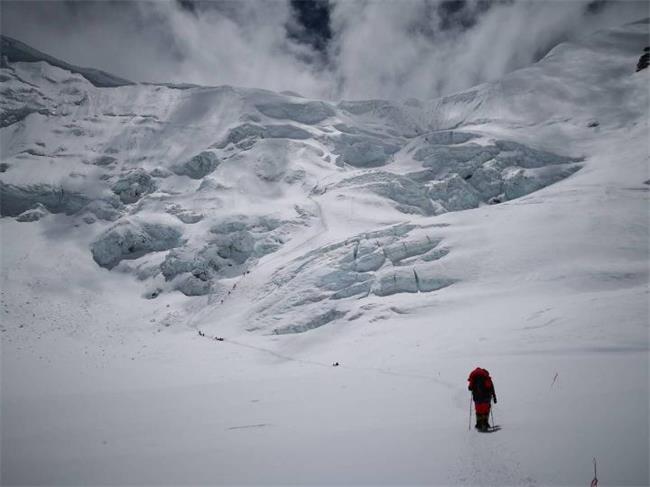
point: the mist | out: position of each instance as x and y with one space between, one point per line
373 49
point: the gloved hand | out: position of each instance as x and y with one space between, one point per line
495 399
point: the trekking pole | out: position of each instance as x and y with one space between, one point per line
469 428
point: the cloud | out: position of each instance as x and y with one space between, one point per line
242 43
372 49
402 49
245 45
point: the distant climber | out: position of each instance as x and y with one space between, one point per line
480 383
335 364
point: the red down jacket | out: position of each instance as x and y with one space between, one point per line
480 383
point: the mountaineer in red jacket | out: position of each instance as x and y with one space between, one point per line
480 383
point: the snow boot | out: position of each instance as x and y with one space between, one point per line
482 422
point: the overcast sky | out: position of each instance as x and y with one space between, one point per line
326 49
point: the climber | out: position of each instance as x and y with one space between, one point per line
480 383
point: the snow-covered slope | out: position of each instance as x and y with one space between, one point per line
505 226
16 51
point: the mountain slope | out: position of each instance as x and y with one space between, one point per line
15 51
505 227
